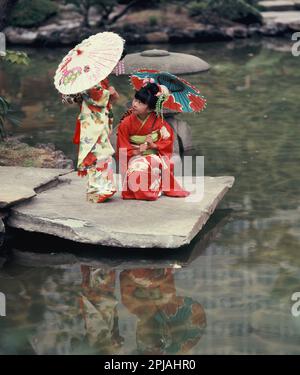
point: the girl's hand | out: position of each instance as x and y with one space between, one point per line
149 138
114 96
136 150
112 90
143 147
150 141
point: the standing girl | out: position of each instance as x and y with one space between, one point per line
93 128
80 76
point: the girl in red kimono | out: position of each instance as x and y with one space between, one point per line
144 150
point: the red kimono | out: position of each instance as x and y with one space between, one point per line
146 176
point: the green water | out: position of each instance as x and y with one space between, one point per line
230 291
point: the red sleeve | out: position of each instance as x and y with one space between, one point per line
76 138
123 138
105 83
95 93
165 146
124 143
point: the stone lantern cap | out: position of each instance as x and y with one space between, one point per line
173 62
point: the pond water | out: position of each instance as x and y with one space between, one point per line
230 291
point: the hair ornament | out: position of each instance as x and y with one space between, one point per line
163 95
147 80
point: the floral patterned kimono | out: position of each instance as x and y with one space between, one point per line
93 127
149 175
98 305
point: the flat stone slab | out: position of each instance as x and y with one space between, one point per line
20 183
31 255
284 18
279 5
166 223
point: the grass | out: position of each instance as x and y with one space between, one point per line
15 153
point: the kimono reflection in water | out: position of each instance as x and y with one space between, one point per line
148 174
167 323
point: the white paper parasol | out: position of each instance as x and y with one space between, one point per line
88 63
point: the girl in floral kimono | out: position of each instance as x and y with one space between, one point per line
144 149
93 128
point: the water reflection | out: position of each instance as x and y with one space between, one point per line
67 303
167 323
65 314
239 277
98 303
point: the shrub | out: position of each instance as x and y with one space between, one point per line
153 21
28 13
16 57
242 11
7 115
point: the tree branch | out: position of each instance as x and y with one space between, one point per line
6 7
124 11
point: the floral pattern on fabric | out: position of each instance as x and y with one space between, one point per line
101 178
95 150
164 133
147 168
146 177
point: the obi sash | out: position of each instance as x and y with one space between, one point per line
140 139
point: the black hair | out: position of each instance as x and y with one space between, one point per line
124 53
147 95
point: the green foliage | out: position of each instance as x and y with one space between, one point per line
29 13
252 2
153 21
6 115
89 3
16 57
105 7
109 10
140 4
86 4
235 10
4 108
